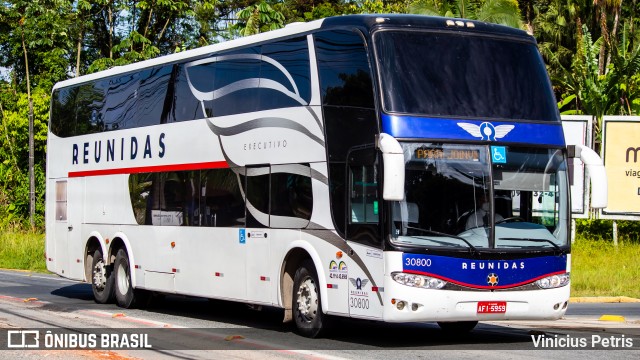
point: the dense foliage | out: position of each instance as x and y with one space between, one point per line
592 49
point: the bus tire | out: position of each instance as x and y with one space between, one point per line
457 326
306 303
125 294
101 279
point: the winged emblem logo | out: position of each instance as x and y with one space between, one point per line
358 283
486 130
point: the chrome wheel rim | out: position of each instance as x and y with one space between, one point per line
100 276
307 299
123 279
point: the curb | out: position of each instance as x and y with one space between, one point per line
614 318
604 299
17 270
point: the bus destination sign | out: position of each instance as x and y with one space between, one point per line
447 154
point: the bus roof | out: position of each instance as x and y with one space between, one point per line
420 21
368 22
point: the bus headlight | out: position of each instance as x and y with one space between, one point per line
554 281
420 281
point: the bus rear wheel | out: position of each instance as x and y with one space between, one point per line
101 279
457 326
125 294
307 305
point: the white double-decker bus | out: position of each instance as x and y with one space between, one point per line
396 168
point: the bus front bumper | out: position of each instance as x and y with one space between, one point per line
404 303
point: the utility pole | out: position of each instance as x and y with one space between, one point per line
32 179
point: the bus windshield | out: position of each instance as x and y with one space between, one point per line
455 195
460 74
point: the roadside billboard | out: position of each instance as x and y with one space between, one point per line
621 155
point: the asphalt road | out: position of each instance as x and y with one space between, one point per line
184 327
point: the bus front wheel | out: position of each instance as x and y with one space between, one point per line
101 279
307 305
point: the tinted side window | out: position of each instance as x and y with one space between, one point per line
348 110
286 65
221 202
63 111
235 82
280 197
345 78
347 127
156 198
187 198
90 108
174 197
364 205
120 101
152 94
218 85
257 190
141 190
291 196
180 103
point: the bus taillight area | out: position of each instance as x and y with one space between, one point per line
406 303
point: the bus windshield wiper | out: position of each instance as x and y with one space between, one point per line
535 240
433 232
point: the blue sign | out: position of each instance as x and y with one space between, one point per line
547 133
241 236
499 154
484 274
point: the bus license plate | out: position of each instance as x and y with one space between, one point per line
492 307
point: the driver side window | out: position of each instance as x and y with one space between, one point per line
364 205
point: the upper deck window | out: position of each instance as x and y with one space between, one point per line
345 79
446 74
274 75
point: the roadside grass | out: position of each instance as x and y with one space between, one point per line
597 268
22 250
600 269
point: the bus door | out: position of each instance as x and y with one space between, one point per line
61 228
69 261
257 235
364 234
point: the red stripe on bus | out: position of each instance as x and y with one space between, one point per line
158 168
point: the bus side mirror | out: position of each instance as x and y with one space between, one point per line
393 160
597 173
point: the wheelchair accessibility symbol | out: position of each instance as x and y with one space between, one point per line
499 154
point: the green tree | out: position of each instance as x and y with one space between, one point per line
604 7
258 18
35 31
592 93
504 12
625 62
378 7
43 25
14 180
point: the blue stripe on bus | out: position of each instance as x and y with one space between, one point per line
477 273
454 129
